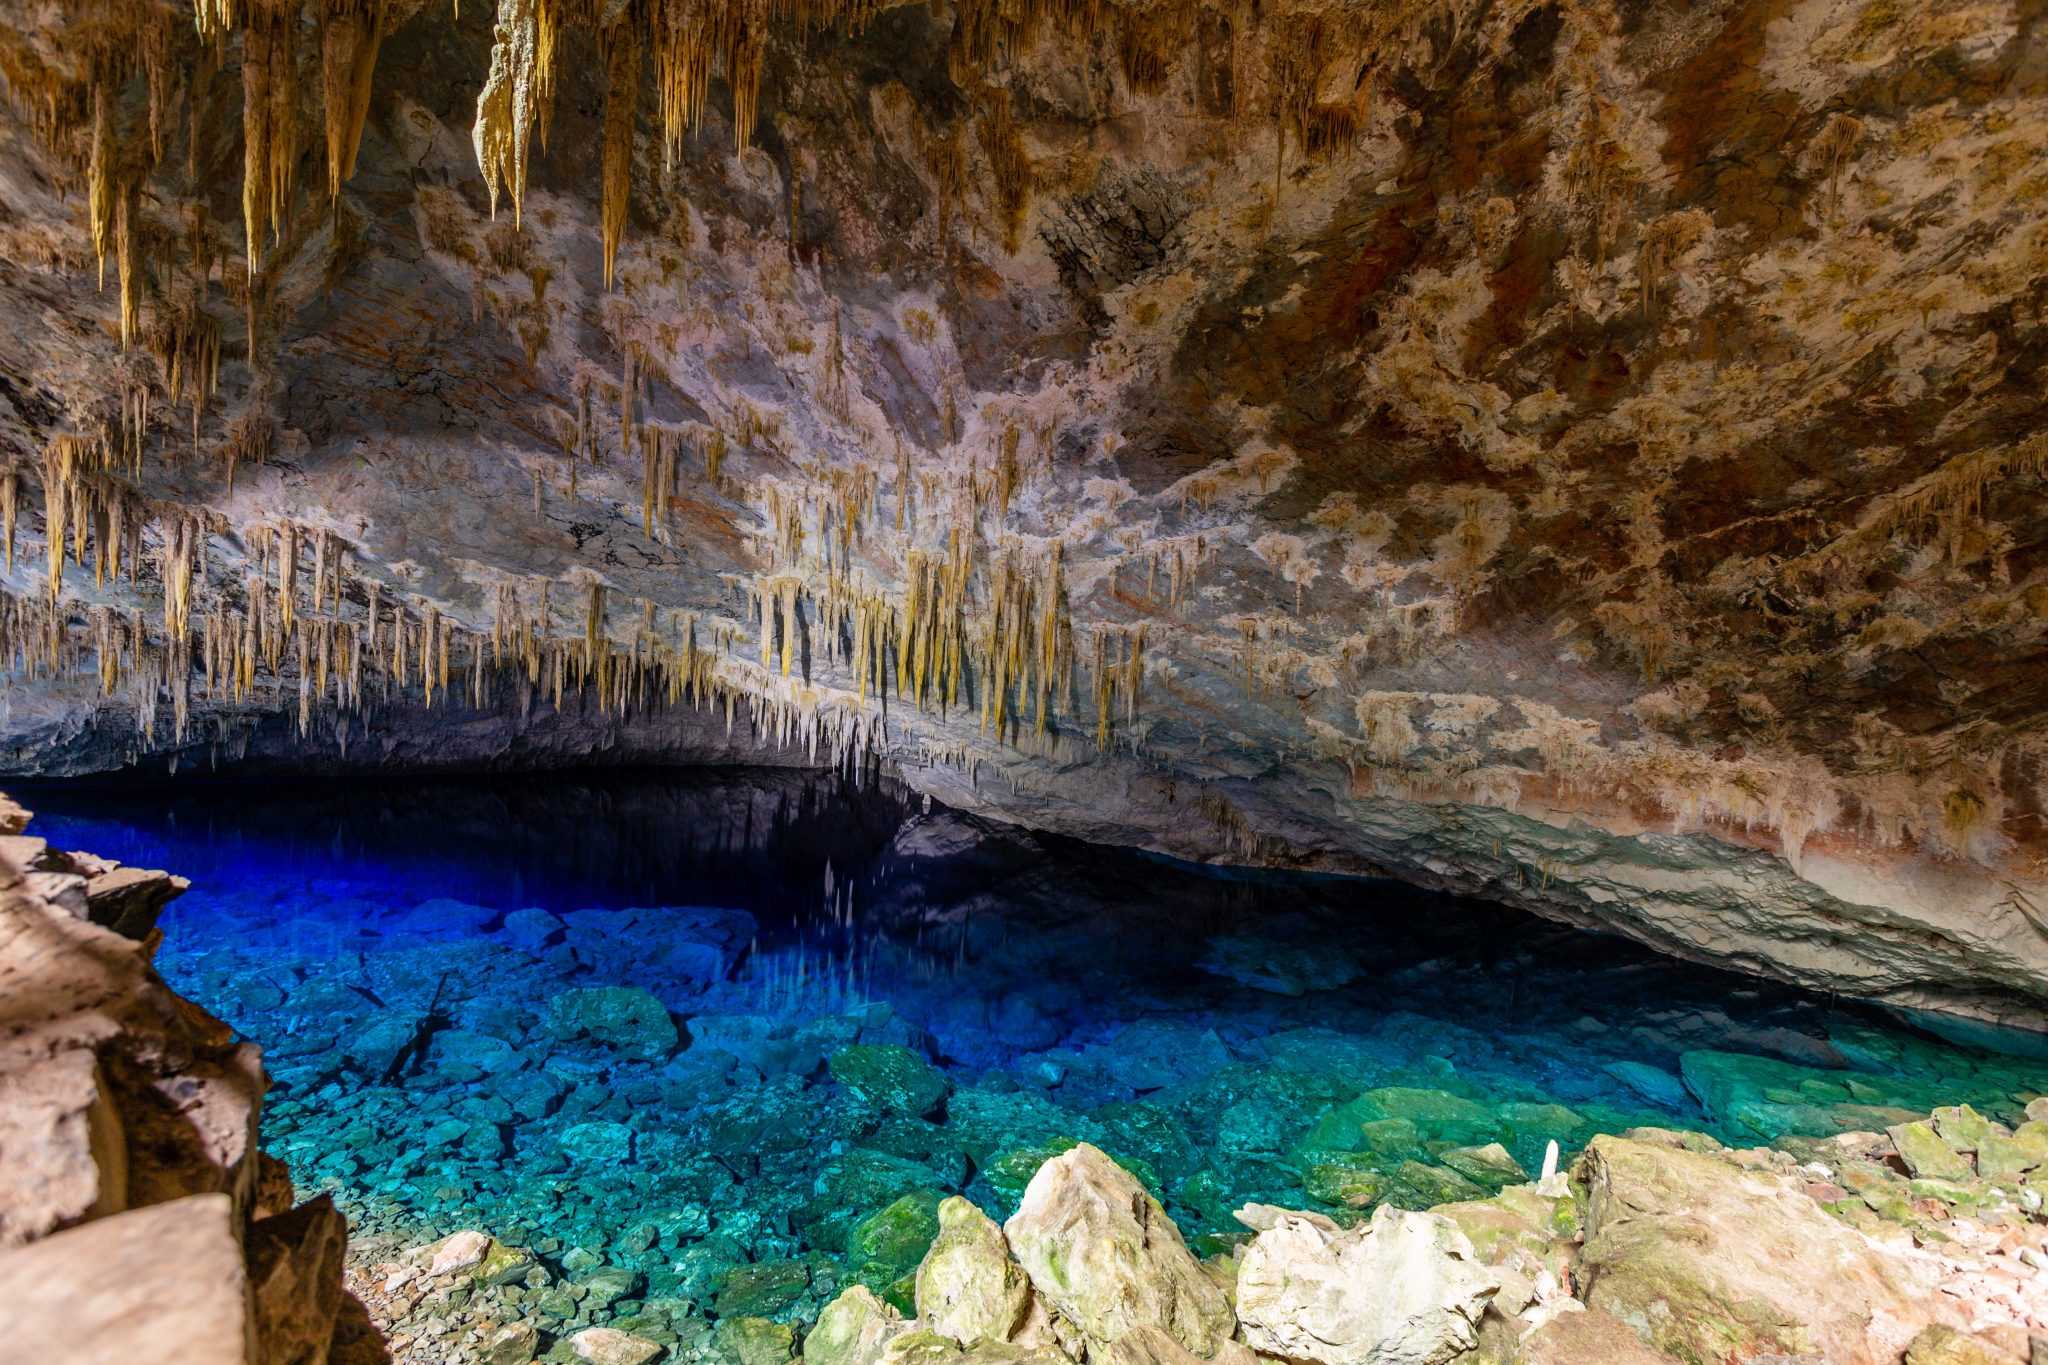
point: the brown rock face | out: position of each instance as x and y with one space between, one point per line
1586 455
1709 1263
138 1218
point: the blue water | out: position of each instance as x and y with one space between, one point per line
409 957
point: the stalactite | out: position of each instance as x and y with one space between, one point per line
124 249
350 31
270 133
506 107
1008 163
100 176
10 508
621 51
61 461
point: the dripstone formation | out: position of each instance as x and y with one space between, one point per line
1585 454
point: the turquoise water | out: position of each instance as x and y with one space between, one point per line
731 1035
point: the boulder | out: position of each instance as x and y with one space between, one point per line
1405 1289
169 1287
752 1341
622 1017
294 1270
1962 1127
854 1329
1711 1262
889 1243
764 1289
609 1346
1928 1154
968 1288
1102 1253
1941 1345
890 1077
597 1143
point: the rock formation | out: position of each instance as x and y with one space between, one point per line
138 1218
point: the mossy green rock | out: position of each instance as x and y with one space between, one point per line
1416 1185
752 1341
893 1240
1351 1184
1927 1155
1489 1167
2000 1158
624 1017
764 1289
1961 1127
890 1078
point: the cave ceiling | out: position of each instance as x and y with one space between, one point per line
1584 453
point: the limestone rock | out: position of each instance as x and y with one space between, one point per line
1405 1289
1102 1253
854 1329
968 1287
294 1274
168 1285
1927 1153
458 1251
1714 1263
1151 1346
609 1346
1943 1345
1589 1337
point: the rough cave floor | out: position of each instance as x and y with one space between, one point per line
864 1004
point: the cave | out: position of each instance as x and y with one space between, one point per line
738 682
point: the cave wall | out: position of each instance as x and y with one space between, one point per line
1582 454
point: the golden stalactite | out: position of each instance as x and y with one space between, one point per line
687 34
124 252
621 52
100 178
1008 163
213 18
522 56
10 509
743 58
270 104
350 31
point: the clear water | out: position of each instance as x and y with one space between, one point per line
383 943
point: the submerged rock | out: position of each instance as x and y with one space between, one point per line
623 1017
890 1077
1407 1289
1102 1253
